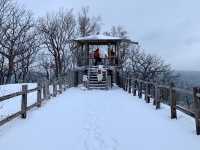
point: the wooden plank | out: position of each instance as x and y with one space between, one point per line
9 118
185 110
44 91
39 95
24 101
196 109
54 89
183 91
129 85
172 98
9 96
134 88
164 86
157 97
32 90
31 106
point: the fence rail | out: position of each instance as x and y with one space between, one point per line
164 94
43 93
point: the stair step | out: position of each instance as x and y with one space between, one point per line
97 85
93 80
104 88
103 81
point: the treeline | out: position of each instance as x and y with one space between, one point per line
33 48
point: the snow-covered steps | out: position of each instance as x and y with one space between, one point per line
93 82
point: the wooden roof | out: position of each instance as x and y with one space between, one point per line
102 40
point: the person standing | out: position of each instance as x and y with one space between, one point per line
97 56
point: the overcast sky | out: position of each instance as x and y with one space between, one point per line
168 28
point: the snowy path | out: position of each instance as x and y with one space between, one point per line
99 120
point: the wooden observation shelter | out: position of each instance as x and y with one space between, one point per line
111 52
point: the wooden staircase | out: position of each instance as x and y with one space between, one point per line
93 81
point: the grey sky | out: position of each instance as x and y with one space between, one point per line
168 28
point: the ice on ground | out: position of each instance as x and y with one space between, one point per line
99 120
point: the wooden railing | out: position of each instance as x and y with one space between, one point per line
105 61
163 94
43 94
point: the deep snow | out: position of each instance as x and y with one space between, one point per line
99 120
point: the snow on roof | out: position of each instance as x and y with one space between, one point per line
98 37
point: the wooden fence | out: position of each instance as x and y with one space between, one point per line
163 94
43 93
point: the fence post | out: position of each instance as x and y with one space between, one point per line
126 83
157 96
197 109
154 94
54 89
172 96
44 91
147 92
39 95
60 85
24 101
109 84
129 85
140 89
122 81
134 90
47 88
64 83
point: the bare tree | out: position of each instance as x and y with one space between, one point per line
5 8
45 64
56 31
87 25
147 66
119 31
27 58
14 33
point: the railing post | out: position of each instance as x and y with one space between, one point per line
172 96
109 84
197 109
147 92
48 92
64 83
154 94
157 97
123 82
44 91
24 101
60 85
135 88
140 90
39 95
129 85
126 83
54 89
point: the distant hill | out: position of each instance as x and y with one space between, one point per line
189 78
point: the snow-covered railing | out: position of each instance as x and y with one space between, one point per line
44 92
164 93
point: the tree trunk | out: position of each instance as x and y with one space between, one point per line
10 69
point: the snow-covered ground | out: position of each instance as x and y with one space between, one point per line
99 120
